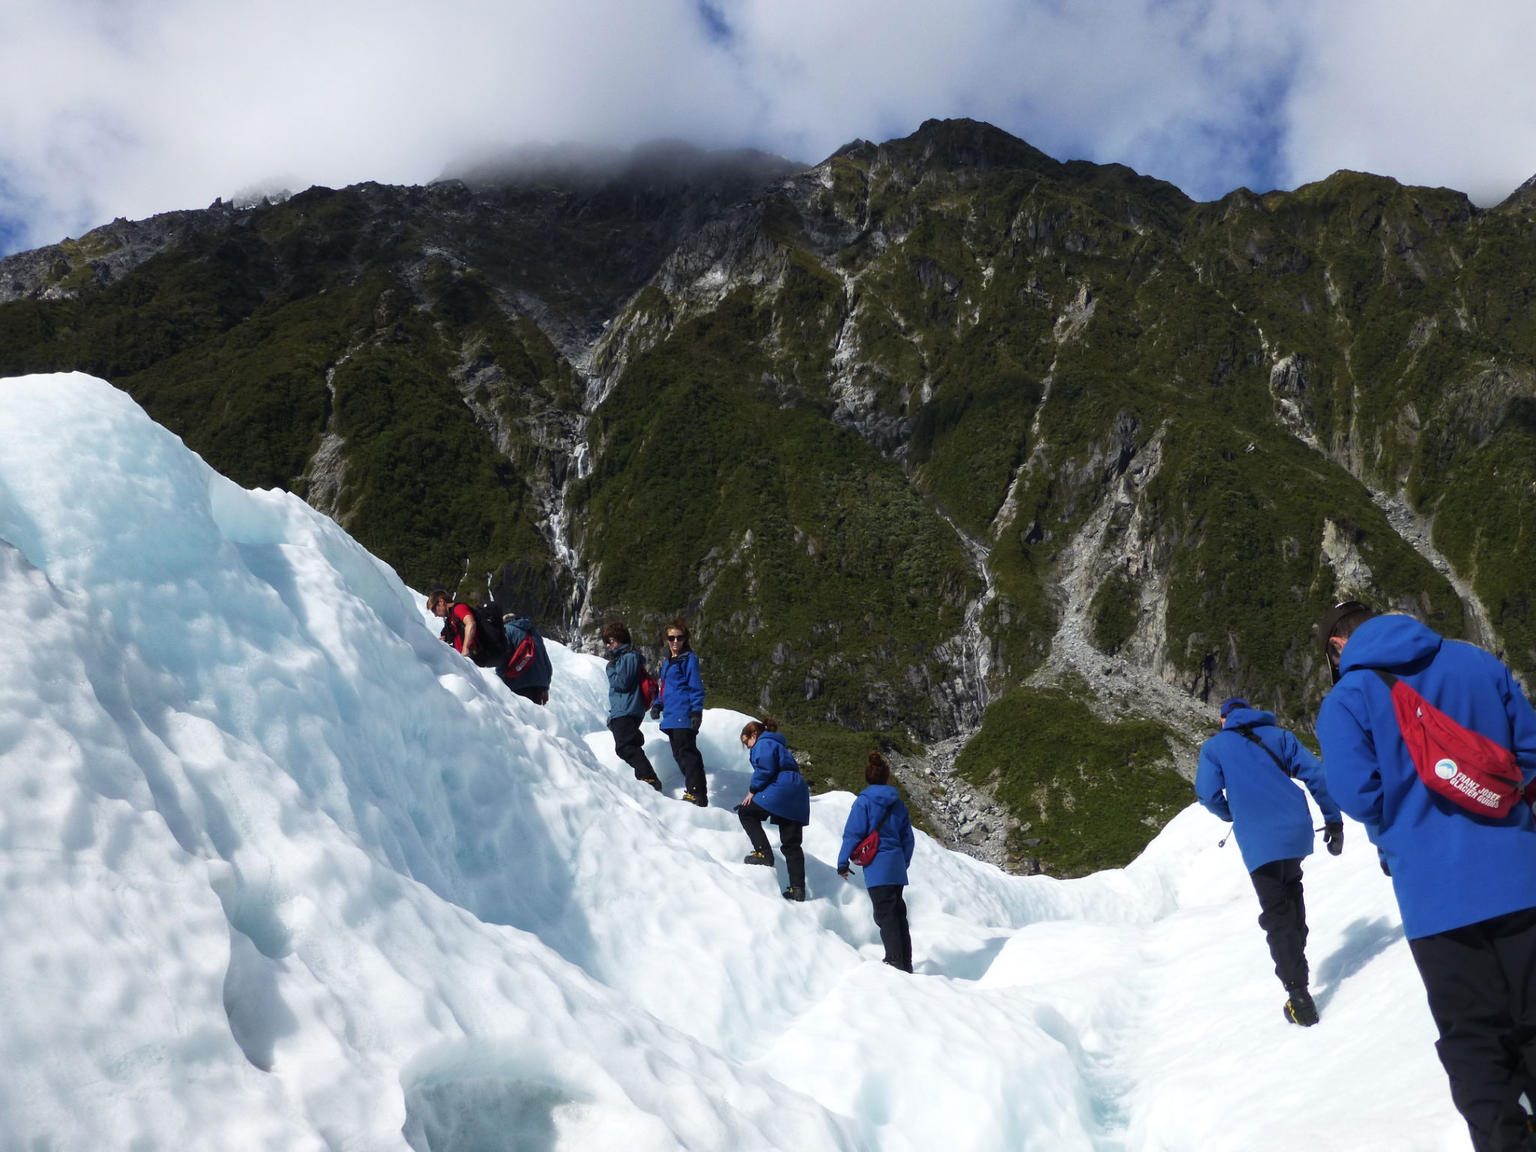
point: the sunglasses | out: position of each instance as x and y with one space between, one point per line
674 639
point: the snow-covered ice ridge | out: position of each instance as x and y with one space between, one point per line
282 871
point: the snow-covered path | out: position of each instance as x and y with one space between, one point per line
281 871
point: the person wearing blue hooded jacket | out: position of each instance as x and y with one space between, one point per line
779 793
879 809
532 682
1246 775
626 668
1465 883
680 708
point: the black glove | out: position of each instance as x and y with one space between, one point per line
696 719
843 871
1333 836
1385 871
655 711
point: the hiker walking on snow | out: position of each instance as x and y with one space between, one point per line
680 708
626 705
779 793
879 809
1465 881
1245 776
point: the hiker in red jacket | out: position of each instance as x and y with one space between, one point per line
458 620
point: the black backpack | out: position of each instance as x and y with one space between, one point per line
490 649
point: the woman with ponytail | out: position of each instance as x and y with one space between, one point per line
779 793
879 809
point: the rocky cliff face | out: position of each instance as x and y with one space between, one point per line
938 435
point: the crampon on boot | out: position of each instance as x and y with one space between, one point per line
1300 1009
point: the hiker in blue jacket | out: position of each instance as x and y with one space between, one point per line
779 793
1465 883
532 682
680 708
1245 776
626 705
879 809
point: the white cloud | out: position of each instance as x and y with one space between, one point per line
131 107
1441 98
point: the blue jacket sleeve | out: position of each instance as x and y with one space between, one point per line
1211 785
908 841
694 686
1309 770
1349 759
854 830
1522 727
764 759
625 672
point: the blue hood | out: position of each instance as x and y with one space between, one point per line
1388 642
1253 717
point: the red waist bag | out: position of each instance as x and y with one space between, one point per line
1467 768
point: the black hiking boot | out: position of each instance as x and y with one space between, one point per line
701 801
1299 1009
756 857
653 780
795 893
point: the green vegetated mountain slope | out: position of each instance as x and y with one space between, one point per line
939 434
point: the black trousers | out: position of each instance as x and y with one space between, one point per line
537 695
1481 982
685 750
752 816
891 918
1283 916
629 743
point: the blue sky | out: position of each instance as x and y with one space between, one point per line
129 107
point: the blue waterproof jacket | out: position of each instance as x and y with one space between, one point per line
777 785
1240 782
880 804
624 699
682 690
1449 867
539 673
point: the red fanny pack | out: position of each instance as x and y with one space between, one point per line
522 656
865 850
1467 768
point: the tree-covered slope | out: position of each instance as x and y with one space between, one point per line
916 438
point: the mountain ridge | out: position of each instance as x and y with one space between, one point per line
918 436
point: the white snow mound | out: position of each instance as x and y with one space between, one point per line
282 871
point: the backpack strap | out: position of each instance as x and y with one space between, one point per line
1246 732
880 822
